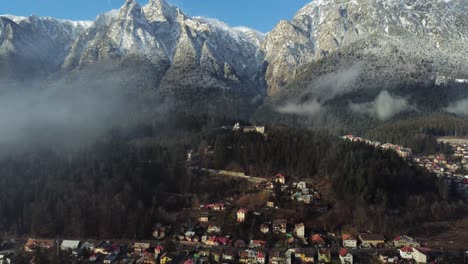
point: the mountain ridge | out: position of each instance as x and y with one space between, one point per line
392 41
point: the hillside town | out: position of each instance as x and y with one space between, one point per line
453 168
256 227
202 238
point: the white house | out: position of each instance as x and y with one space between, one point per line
260 257
241 215
419 256
301 185
349 241
70 244
345 256
300 230
5 259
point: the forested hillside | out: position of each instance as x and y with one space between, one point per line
123 184
361 177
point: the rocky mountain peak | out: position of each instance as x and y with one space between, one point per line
160 10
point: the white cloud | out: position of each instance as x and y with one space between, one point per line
384 106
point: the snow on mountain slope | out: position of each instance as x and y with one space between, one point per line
323 26
163 33
37 45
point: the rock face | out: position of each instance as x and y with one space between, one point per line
31 46
325 26
169 38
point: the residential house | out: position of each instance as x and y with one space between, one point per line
371 240
204 217
280 178
260 257
190 236
388 259
264 228
406 252
159 231
209 240
349 241
72 245
6 258
421 255
345 256
404 241
32 244
276 257
241 214
301 185
229 255
106 248
299 229
279 225
87 246
257 243
212 228
304 255
317 240
216 254
215 206
140 248
165 259
247 256
324 255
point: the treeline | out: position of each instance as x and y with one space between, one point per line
420 134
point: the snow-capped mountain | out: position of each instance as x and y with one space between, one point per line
166 36
436 29
33 45
190 57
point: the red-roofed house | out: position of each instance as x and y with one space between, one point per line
260 257
345 256
264 228
406 252
32 244
280 178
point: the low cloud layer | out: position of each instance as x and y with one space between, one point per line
384 107
326 87
71 110
338 83
459 107
307 108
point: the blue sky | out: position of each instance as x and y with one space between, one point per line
262 15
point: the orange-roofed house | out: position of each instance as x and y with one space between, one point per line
349 241
317 239
32 244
